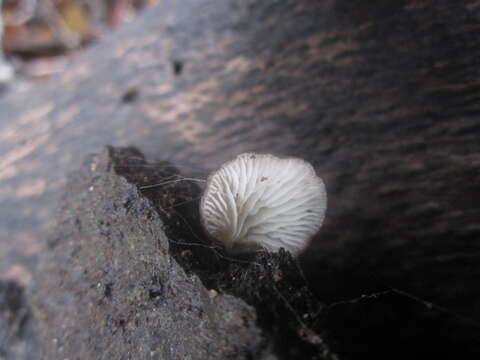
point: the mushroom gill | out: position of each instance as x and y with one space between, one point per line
260 201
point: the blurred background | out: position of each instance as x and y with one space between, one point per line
38 36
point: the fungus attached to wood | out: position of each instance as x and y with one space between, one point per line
259 201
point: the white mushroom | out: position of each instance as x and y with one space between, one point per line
259 201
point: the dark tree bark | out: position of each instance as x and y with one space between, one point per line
382 97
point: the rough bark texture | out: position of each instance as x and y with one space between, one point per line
109 289
126 276
382 97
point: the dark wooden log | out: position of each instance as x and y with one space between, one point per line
382 97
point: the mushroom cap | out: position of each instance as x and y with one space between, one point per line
260 201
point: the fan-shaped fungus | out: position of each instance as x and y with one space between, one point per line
259 201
